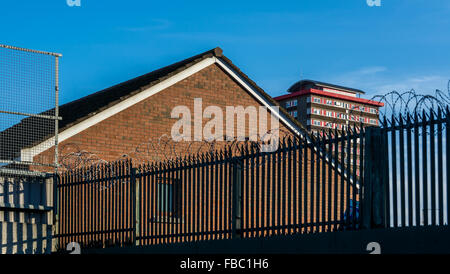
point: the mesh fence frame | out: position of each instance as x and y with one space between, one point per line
28 109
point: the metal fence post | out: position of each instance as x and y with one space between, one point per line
375 180
55 211
237 197
135 185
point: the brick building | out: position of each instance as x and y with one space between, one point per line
320 106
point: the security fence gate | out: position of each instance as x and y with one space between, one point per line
331 182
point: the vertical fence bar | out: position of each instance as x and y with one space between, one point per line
433 168
324 179
198 198
349 174
317 183
169 197
402 171
311 182
387 171
85 181
342 183
424 167
205 189
217 205
282 188
79 209
179 205
263 193
409 173
112 182
294 185
91 207
298 184
184 199
237 196
278 211
158 205
257 193
247 199
394 172
354 178
362 166
269 209
440 170
92 229
289 186
108 204
447 153
189 199
336 179
222 192
135 209
329 176
306 156
100 205
273 206
228 179
416 169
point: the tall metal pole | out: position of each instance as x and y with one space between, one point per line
55 177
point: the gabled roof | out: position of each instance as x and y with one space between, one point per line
77 111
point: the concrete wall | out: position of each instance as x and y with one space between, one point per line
25 219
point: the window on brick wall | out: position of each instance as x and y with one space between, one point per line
168 199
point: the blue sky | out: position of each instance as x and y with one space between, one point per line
401 45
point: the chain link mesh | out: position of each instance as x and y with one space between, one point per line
27 108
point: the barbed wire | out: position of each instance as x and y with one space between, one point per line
409 102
